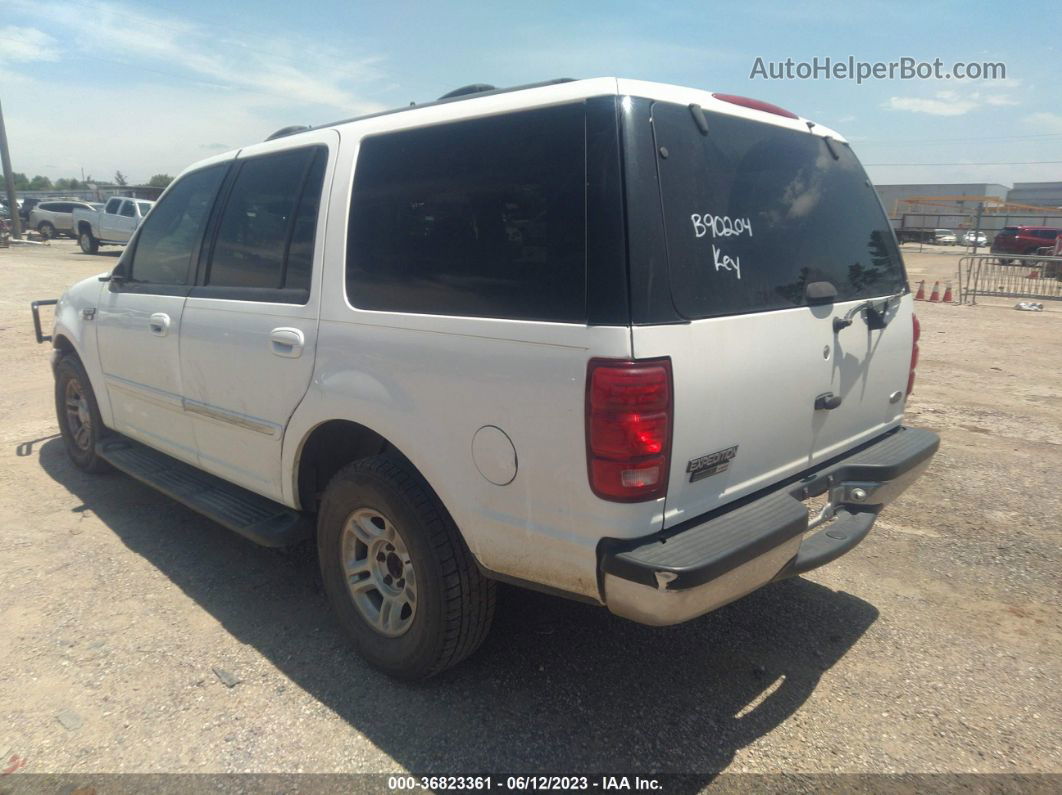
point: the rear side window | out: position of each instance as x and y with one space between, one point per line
128 210
755 212
481 218
266 234
170 235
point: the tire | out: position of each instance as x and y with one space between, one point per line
78 414
46 229
89 244
379 519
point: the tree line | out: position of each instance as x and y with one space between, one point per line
22 182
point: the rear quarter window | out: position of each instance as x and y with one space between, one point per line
481 218
754 212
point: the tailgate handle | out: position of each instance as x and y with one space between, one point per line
827 402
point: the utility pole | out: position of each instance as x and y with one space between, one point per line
977 224
9 180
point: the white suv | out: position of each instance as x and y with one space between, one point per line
602 338
51 217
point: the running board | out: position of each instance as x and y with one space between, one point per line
252 516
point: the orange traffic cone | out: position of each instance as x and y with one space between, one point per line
935 295
947 294
921 294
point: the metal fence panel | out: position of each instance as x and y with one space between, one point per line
1022 277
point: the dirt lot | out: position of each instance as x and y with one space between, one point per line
933 647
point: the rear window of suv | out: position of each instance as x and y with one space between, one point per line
481 218
754 212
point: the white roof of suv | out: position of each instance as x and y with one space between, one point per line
490 102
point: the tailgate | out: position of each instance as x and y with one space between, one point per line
771 234
745 391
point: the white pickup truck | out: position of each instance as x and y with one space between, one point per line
113 225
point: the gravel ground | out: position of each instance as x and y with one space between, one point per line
140 637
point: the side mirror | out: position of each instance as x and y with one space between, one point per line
117 276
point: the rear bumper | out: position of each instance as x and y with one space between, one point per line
691 569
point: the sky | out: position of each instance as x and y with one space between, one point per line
151 87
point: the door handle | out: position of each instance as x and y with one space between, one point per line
159 323
287 342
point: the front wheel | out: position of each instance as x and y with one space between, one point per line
397 572
78 414
88 243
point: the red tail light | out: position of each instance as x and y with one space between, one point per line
756 104
628 428
914 353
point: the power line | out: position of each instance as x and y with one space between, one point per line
914 141
1015 163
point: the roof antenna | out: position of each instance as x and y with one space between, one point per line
810 124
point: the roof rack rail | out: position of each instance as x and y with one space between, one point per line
472 88
472 91
290 130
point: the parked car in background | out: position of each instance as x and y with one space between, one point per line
52 218
110 225
972 238
1023 240
944 237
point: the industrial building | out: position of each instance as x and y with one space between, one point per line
1041 194
916 210
897 198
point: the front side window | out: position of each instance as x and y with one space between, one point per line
112 206
482 218
265 238
173 231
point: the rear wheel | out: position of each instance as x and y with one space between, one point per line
88 243
78 414
46 230
397 572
